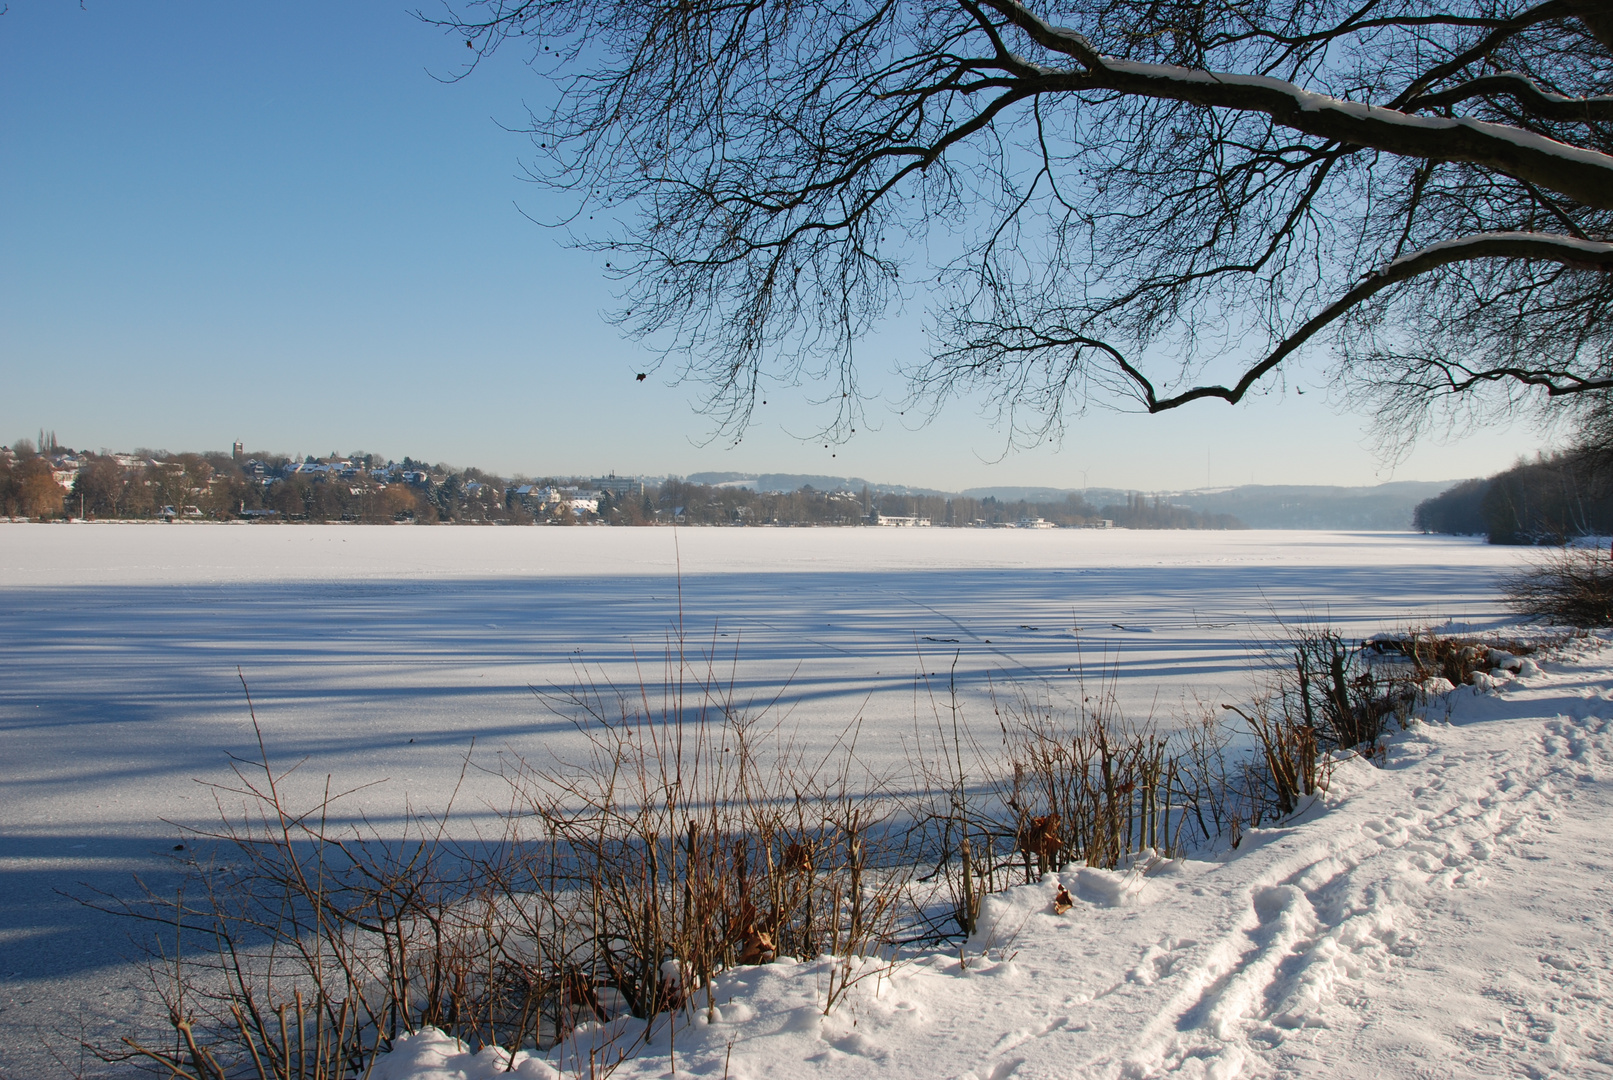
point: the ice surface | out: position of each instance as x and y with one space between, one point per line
122 643
379 653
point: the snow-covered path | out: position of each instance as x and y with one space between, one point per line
1451 913
1520 947
1448 915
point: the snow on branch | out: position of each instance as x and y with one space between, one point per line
1579 173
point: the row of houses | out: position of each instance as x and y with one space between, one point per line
579 497
341 470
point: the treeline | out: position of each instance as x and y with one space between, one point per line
28 484
701 504
1546 501
53 482
1141 512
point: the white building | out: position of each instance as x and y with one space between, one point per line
575 500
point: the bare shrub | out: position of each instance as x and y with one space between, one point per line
1079 783
1455 658
1288 767
304 948
1343 696
1089 786
1343 702
1570 585
692 837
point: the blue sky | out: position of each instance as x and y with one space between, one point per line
268 222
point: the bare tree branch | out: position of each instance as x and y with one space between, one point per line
1097 199
1563 250
1528 96
1584 175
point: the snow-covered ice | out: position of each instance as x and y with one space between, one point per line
380 653
384 651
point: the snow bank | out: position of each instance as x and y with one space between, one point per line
431 1055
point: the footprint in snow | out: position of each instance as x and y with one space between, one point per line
1002 1070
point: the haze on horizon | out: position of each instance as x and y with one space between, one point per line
274 225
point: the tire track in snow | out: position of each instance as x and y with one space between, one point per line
1324 917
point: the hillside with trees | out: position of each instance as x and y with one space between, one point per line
1383 507
1550 500
1379 507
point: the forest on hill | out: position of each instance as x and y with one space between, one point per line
1550 500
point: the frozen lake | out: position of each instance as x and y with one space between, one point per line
380 653
122 642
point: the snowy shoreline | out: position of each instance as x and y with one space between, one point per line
1451 912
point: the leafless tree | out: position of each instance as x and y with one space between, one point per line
1153 202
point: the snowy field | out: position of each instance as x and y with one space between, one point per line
380 653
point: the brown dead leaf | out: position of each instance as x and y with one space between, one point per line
758 948
1041 838
743 921
797 857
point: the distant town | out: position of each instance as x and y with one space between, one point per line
45 481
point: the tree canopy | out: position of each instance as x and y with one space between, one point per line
1149 202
